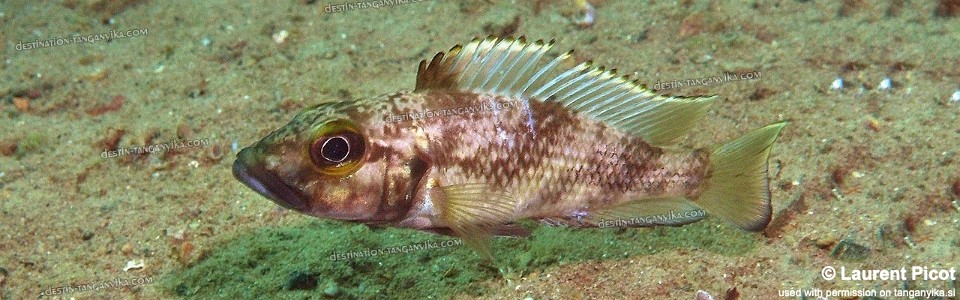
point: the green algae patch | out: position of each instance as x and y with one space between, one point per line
302 262
312 260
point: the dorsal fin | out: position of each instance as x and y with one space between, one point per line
514 68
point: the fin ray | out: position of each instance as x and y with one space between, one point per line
515 68
738 189
474 211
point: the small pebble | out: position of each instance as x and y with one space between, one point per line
956 96
837 84
703 295
215 153
280 37
886 84
301 281
9 148
332 289
132 265
184 132
587 16
21 103
98 75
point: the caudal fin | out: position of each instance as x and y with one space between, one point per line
738 189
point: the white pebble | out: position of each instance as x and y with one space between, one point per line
588 17
703 295
837 84
281 36
956 96
886 84
133 265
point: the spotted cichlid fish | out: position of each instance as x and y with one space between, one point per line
497 131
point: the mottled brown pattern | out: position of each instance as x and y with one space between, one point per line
554 161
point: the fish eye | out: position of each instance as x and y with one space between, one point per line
337 153
335 149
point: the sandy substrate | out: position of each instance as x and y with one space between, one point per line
862 178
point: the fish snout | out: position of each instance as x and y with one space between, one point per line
266 183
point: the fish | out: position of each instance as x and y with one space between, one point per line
501 130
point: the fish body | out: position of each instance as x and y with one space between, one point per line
496 132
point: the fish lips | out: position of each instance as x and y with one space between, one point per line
267 184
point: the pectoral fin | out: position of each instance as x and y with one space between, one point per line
474 211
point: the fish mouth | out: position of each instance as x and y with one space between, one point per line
267 184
